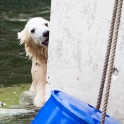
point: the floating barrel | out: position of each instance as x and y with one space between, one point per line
62 108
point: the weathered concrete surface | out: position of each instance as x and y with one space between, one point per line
78 40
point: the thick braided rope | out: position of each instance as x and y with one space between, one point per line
112 56
107 56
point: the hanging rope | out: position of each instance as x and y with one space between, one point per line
112 56
107 56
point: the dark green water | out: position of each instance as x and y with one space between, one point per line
14 66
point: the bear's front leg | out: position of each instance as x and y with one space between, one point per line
39 82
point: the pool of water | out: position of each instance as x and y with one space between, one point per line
15 76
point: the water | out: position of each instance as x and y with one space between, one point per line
15 76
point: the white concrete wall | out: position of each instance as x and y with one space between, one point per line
78 40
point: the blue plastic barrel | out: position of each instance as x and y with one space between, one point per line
62 108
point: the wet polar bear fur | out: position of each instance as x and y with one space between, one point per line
35 37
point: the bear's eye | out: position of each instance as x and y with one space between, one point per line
46 24
33 30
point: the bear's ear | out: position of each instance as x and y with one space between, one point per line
22 36
19 35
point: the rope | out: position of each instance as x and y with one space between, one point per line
107 56
112 56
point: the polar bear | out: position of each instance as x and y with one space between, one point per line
35 37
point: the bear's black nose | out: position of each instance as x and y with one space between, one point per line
46 34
